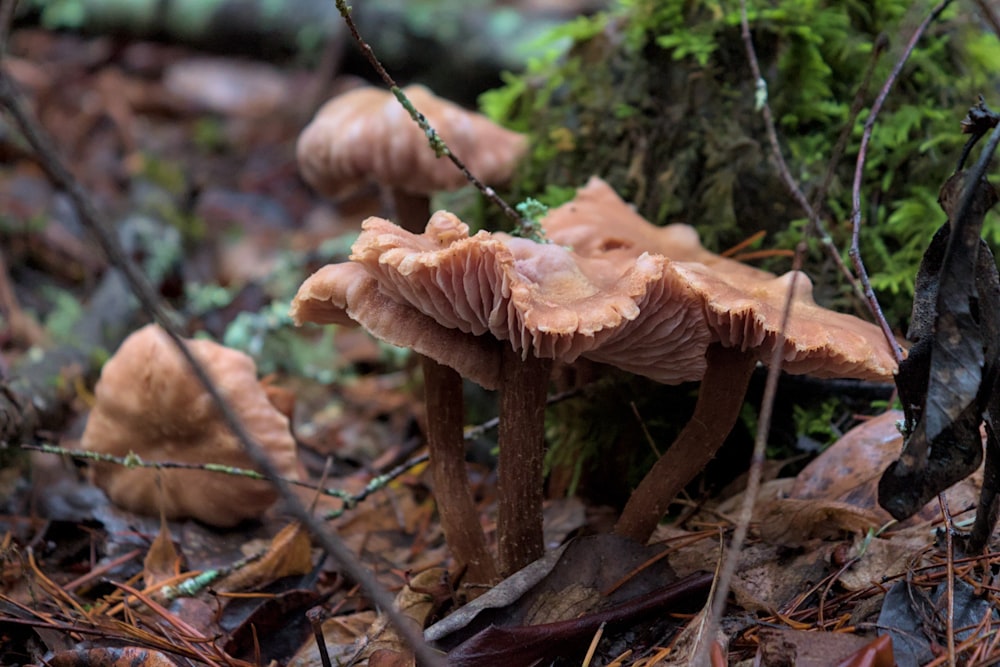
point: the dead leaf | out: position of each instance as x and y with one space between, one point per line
793 522
849 470
419 600
594 563
341 635
290 554
126 656
768 577
162 561
853 461
784 647
877 654
882 558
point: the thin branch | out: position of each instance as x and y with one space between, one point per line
7 8
732 556
855 252
350 500
94 222
436 142
818 227
881 42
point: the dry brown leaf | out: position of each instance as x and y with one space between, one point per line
793 522
418 601
125 656
879 559
783 646
162 561
290 554
849 471
341 635
769 577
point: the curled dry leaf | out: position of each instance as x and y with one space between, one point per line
290 554
419 600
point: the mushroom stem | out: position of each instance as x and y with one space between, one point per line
719 400
523 387
459 518
412 211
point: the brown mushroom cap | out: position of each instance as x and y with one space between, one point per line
598 223
542 298
367 135
818 341
347 294
150 403
744 305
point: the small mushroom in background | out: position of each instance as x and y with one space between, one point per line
366 135
149 403
744 308
524 304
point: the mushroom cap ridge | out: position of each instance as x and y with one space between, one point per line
541 299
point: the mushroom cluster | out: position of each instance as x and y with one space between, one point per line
499 310
649 300
742 308
149 404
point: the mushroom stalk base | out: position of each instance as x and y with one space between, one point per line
719 400
523 388
446 442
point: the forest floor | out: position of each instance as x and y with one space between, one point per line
193 156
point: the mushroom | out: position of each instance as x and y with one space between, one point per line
367 135
745 319
149 403
743 307
347 294
542 303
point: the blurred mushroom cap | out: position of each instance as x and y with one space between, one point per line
542 299
366 135
818 341
150 403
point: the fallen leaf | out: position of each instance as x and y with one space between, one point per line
290 554
126 656
784 647
792 522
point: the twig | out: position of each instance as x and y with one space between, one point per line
818 227
727 570
436 142
376 484
7 8
855 252
94 222
881 42
989 15
350 500
949 579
